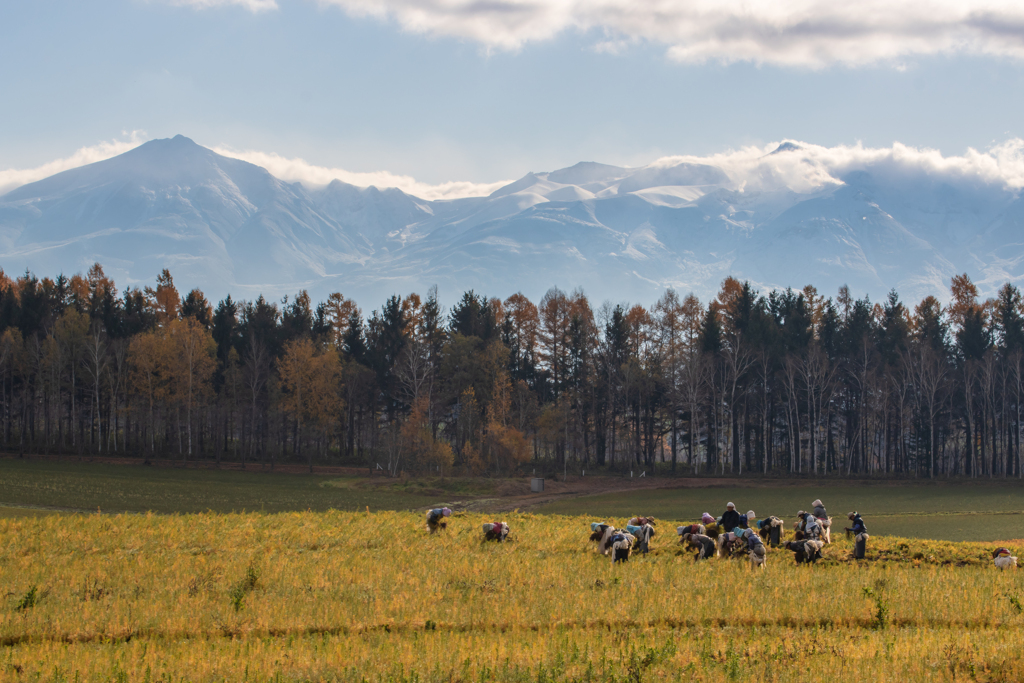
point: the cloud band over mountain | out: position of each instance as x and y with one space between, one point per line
802 33
792 165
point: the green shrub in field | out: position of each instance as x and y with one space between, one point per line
29 600
244 586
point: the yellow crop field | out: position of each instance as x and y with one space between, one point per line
373 597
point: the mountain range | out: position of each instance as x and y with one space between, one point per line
621 234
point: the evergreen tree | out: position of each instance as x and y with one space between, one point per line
711 331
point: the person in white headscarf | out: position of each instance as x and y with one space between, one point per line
730 518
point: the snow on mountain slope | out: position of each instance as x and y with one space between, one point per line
624 234
171 203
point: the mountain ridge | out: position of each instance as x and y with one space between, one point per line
228 226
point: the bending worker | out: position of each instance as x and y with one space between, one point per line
705 546
435 517
755 548
643 534
860 535
711 527
602 534
771 530
824 521
621 543
496 531
808 524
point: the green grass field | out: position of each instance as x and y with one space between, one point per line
954 511
959 511
72 486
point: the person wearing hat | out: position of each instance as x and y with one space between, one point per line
860 534
730 518
435 517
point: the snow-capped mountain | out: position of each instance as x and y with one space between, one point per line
623 234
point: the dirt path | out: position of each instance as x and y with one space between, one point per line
588 486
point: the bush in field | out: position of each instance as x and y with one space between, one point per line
244 586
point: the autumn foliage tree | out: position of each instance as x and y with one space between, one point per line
791 381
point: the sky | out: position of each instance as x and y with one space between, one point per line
457 96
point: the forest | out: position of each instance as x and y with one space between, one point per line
780 383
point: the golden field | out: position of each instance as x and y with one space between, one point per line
373 597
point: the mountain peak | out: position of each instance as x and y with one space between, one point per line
787 147
586 172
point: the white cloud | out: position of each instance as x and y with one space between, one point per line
800 167
251 5
14 177
804 167
299 170
290 170
808 33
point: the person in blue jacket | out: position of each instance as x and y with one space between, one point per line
860 535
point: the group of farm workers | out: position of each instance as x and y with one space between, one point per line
730 535
619 543
734 535
493 531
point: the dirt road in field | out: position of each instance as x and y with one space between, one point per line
518 498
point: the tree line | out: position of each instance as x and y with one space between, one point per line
783 382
